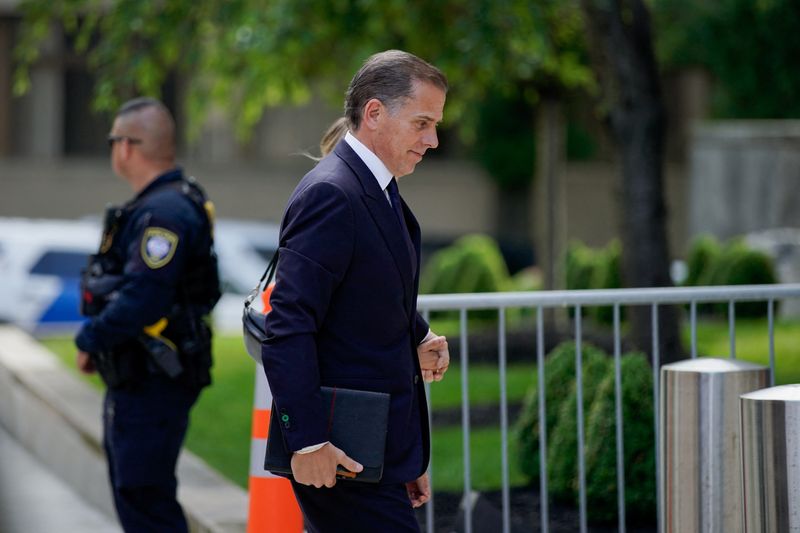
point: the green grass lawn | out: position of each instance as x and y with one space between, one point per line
220 428
752 344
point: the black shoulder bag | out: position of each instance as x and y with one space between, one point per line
253 320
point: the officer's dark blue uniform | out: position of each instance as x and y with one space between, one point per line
159 250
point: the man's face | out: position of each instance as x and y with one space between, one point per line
403 137
117 130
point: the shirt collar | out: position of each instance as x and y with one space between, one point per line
167 177
374 164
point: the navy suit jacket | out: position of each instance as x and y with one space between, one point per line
344 311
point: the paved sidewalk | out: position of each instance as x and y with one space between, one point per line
33 500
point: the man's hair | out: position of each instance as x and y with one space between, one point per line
152 121
388 76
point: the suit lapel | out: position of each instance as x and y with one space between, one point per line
381 211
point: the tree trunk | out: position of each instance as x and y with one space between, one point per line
622 53
550 197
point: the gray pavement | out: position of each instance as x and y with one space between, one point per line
33 500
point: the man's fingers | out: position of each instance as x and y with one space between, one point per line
350 464
437 343
428 375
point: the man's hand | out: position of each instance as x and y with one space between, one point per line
318 468
419 490
84 363
434 357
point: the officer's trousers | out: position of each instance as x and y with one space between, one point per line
144 427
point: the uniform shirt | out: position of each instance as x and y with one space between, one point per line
154 243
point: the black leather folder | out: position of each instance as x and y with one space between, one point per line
358 427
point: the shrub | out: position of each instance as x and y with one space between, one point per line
590 268
607 275
559 376
471 264
581 262
562 447
703 254
734 264
638 437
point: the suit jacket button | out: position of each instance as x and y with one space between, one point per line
416 379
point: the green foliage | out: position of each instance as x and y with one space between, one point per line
559 377
740 265
638 437
245 55
590 268
527 279
607 275
581 146
562 448
734 263
471 264
600 431
581 263
703 253
746 45
505 144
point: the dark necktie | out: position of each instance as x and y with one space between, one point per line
397 207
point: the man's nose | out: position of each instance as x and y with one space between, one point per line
430 139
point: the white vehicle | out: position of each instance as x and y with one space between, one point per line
41 262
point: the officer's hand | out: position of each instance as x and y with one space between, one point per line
84 363
318 468
434 357
419 490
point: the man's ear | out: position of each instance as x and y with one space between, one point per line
372 112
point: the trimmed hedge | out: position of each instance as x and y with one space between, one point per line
594 268
562 446
704 252
638 437
471 264
732 263
559 376
600 432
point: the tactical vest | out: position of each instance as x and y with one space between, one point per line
184 351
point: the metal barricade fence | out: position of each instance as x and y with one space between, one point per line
578 299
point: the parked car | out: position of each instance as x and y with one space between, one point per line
41 262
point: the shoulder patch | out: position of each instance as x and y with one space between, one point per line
158 247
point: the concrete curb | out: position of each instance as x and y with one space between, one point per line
56 416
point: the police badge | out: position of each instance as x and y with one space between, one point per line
158 247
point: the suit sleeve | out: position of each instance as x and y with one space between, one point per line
315 251
421 328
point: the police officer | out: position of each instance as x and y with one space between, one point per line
148 292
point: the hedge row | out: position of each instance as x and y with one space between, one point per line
711 262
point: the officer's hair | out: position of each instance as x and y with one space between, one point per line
157 132
388 76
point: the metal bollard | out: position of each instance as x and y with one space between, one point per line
771 459
699 443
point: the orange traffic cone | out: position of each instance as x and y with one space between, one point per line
273 507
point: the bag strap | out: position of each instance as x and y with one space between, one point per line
269 275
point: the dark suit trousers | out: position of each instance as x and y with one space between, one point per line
352 507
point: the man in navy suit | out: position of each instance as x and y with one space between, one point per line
344 302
